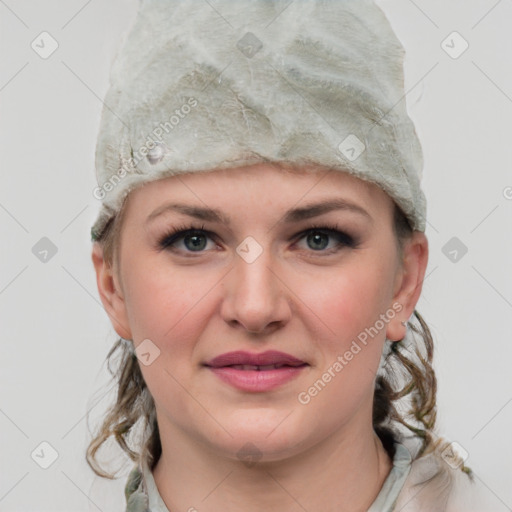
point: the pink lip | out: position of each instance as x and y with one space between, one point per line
263 359
256 380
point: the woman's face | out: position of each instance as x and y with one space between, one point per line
275 269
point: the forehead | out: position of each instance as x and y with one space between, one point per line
257 186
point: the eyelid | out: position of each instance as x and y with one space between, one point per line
347 238
344 239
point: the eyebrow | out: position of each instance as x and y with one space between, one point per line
297 214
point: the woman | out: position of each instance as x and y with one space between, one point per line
259 252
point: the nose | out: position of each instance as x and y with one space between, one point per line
256 294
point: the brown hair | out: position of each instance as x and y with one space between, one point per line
408 376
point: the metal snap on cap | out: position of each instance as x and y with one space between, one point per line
155 154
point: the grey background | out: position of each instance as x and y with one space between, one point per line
55 334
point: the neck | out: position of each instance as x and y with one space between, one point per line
343 473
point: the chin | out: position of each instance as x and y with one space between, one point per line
262 440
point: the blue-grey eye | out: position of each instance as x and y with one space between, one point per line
318 238
198 241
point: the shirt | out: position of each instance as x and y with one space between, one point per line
427 484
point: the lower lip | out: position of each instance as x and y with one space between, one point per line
255 380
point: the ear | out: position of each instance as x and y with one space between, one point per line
110 293
409 283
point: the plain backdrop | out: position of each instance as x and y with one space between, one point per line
54 332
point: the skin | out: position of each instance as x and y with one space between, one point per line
295 298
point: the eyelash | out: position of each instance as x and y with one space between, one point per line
179 232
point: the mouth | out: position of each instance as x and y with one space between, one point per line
259 368
269 360
257 378
256 373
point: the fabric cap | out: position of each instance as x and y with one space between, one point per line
203 85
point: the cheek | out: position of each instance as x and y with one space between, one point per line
346 308
349 300
160 300
168 307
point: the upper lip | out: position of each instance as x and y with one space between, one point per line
270 357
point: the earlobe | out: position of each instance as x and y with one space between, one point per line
409 284
110 295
